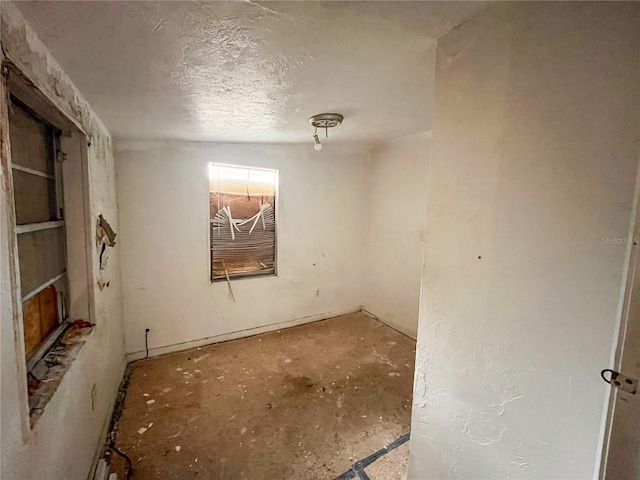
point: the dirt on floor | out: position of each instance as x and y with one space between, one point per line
300 403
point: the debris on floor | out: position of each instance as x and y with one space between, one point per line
306 402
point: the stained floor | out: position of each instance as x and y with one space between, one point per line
300 403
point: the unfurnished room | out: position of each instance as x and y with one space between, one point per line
287 240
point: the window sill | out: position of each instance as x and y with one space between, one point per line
58 360
244 276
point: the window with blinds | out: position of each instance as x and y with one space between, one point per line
242 209
39 228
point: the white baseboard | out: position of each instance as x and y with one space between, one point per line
179 347
405 331
102 470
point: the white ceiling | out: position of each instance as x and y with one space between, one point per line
250 72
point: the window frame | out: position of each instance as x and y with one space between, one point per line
58 223
80 233
276 213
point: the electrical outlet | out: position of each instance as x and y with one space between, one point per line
318 293
623 382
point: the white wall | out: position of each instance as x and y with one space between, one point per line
164 214
66 437
396 209
534 156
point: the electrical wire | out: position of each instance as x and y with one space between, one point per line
117 413
146 342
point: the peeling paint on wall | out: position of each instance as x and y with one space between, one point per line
105 237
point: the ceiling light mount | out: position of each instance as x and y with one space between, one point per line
326 121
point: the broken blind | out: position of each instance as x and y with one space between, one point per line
242 221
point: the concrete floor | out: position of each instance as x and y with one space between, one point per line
301 403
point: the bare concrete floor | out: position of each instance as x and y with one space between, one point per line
301 403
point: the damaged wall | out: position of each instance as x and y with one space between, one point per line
534 158
395 209
65 439
164 214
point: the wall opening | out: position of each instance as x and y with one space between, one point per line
40 228
51 273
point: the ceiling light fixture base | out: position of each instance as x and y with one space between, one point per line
326 120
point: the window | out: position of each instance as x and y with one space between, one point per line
242 209
40 229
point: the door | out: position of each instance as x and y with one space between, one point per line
622 460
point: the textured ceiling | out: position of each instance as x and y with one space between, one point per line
250 72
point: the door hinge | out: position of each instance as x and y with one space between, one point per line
618 380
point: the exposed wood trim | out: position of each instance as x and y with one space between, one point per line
36 227
7 219
42 287
32 171
21 88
